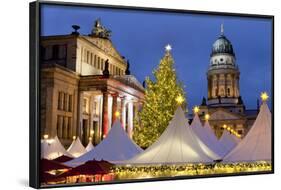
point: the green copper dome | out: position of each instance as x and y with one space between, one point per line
222 45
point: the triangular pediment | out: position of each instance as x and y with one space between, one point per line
222 114
105 45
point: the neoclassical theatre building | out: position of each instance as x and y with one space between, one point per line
85 85
224 102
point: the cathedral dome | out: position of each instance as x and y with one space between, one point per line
222 45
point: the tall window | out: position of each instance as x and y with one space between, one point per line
102 68
95 61
59 100
88 57
65 105
70 103
91 61
85 105
228 91
98 62
59 126
55 52
42 53
69 134
65 102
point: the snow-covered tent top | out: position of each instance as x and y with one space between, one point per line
52 148
76 149
228 142
256 145
177 145
117 146
90 146
207 136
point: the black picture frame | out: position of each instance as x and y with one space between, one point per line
34 90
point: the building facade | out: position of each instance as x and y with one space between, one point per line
224 103
85 85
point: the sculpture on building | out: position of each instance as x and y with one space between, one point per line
100 31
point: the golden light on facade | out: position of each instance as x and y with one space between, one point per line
50 141
117 114
180 99
74 137
224 126
92 132
228 128
45 136
264 96
196 109
90 138
207 116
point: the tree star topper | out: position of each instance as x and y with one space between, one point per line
168 48
196 109
264 96
180 99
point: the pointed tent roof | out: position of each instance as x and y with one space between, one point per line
76 149
52 148
116 146
228 142
256 145
207 136
90 146
178 144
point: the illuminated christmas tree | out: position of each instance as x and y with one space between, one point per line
160 102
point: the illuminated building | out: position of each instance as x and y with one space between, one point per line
84 81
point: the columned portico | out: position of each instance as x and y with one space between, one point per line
114 106
105 122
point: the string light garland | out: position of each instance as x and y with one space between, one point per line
142 172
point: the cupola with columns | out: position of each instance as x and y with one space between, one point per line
223 73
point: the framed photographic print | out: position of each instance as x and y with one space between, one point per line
130 94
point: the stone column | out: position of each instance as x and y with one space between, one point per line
123 113
104 115
114 107
225 85
91 116
237 86
130 119
79 115
233 85
210 89
65 128
75 111
218 86
50 127
60 127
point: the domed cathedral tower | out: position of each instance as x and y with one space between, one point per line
223 76
224 103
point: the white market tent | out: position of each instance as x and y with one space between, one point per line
76 148
117 146
90 146
256 145
228 142
207 136
52 148
177 145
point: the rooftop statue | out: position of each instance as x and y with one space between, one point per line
100 31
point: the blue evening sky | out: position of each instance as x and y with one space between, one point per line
140 36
